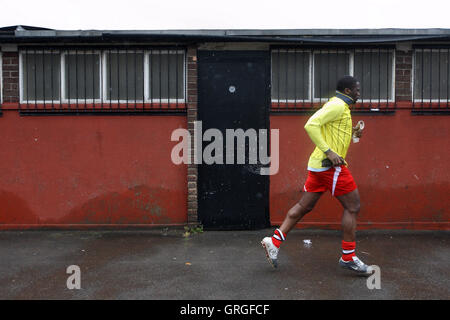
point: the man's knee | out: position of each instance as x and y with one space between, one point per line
300 210
354 208
296 212
351 202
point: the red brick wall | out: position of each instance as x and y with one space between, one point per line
191 117
90 171
403 94
10 68
403 75
399 166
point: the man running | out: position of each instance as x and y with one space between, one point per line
330 128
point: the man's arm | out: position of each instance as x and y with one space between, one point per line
313 128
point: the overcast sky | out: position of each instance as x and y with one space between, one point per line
225 14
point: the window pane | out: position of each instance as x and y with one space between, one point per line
374 71
41 72
431 75
166 75
290 75
328 68
82 76
125 76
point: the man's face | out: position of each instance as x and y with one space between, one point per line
353 93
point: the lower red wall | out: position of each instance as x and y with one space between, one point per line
84 171
400 167
68 171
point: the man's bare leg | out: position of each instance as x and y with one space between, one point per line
349 260
299 210
351 204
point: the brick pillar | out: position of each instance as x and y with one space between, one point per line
192 173
403 75
10 71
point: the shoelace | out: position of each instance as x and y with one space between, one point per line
358 262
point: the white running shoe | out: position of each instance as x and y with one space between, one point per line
271 251
356 265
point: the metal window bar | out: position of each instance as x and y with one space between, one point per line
118 78
295 80
362 72
68 88
143 77
168 78
379 76
43 75
387 77
278 79
422 80
175 74
371 76
328 63
286 78
311 78
85 83
93 79
448 73
431 71
60 81
336 61
126 76
374 65
135 80
79 79
439 78
35 81
160 77
151 92
51 76
320 79
76 79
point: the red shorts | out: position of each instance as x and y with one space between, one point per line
338 180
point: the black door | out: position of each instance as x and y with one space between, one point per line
234 93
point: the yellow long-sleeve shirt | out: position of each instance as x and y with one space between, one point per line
330 128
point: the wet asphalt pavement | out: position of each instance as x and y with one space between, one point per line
162 264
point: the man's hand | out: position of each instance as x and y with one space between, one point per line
335 158
357 132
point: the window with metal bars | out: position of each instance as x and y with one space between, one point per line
1 80
303 79
431 82
102 80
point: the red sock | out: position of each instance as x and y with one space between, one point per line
278 237
348 250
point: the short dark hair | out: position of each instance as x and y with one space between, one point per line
346 82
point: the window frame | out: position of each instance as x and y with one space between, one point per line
103 80
64 97
104 77
286 100
21 78
147 67
1 78
427 101
351 71
392 78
